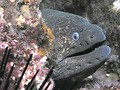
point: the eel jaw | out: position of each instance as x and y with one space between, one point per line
75 51
82 65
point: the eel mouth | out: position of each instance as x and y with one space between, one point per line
82 63
76 52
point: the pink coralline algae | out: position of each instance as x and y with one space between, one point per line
21 31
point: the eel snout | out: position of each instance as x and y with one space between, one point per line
91 38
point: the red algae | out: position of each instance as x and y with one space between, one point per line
22 30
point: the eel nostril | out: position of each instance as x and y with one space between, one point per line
89 62
72 47
92 36
87 42
97 59
80 44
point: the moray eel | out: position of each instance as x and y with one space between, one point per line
78 45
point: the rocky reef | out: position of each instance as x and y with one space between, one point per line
23 31
26 40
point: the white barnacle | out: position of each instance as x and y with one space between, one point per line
116 5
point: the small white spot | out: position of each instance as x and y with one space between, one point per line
116 5
9 24
90 77
13 78
107 75
11 64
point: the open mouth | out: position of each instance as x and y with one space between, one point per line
87 51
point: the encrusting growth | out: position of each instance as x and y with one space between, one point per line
23 35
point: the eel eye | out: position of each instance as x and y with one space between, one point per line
75 36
